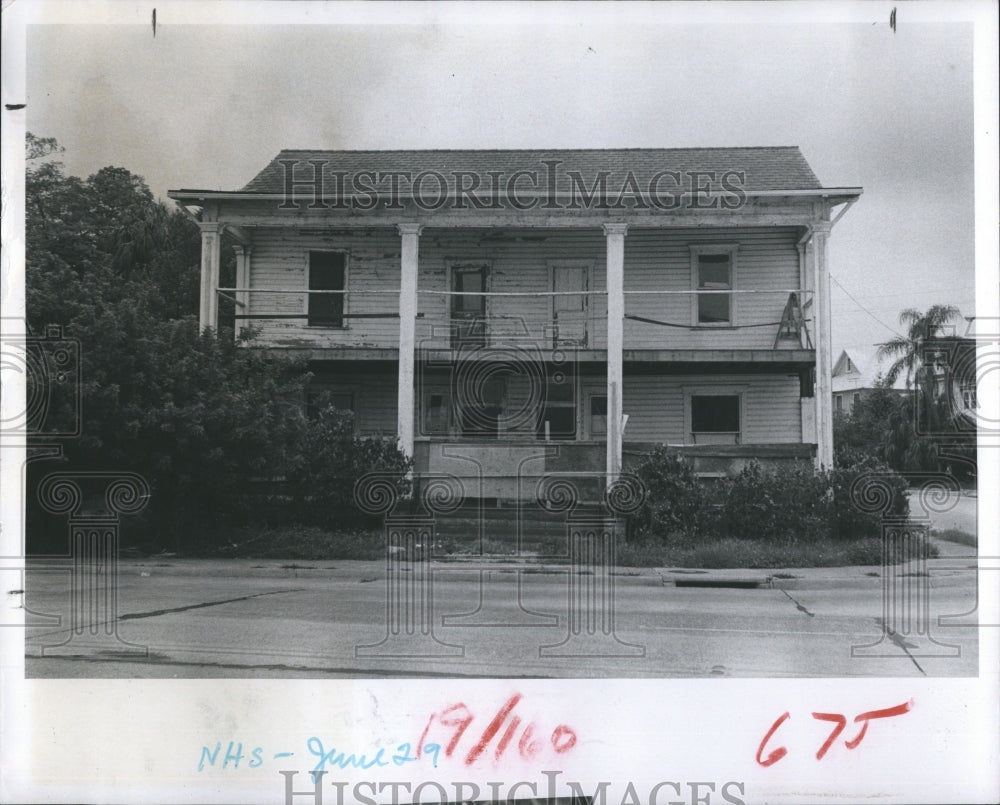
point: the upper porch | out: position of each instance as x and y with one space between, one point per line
731 294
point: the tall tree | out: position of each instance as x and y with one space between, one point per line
905 350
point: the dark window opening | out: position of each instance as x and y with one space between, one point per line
715 413
327 272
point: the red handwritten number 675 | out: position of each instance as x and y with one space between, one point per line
839 721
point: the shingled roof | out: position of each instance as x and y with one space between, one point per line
766 168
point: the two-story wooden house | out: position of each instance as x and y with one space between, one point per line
512 314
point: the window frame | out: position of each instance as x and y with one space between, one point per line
347 274
720 390
697 250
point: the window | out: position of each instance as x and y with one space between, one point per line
856 399
558 414
468 304
713 273
436 413
715 418
598 417
318 397
840 402
327 273
969 398
479 417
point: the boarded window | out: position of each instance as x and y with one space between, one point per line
715 413
715 273
327 272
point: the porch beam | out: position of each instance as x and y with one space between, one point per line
211 240
615 238
824 352
408 263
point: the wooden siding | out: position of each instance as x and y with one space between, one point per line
520 260
655 405
765 259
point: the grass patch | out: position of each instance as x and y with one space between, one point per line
957 535
728 552
301 542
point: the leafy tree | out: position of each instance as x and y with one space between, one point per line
198 415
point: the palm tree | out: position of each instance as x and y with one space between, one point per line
905 350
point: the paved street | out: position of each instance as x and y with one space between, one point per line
307 619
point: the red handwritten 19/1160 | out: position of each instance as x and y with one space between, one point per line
840 722
459 717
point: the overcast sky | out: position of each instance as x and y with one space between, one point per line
209 106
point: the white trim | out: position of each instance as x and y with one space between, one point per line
347 279
698 249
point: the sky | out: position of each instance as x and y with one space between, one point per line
207 106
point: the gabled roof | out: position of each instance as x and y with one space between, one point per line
766 168
859 367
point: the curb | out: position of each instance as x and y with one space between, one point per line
942 572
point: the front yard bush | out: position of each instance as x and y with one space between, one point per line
788 505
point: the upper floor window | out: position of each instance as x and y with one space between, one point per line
327 273
713 275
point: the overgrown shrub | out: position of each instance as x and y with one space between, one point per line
677 504
326 461
786 505
782 505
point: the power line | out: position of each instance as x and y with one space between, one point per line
866 310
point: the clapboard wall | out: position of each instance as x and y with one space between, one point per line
520 261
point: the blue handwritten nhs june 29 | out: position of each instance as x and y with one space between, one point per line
402 756
325 758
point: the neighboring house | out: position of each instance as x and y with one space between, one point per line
954 359
509 315
855 375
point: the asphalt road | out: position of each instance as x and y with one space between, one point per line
200 619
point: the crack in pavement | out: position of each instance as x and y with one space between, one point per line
798 606
157 612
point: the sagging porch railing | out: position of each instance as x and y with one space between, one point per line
471 322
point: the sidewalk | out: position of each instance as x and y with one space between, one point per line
953 566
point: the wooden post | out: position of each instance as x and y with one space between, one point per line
242 281
410 235
211 243
615 236
824 350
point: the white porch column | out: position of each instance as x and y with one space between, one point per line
615 237
410 235
824 349
242 281
211 240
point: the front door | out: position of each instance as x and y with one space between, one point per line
569 305
468 306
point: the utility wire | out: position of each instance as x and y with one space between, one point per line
866 310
